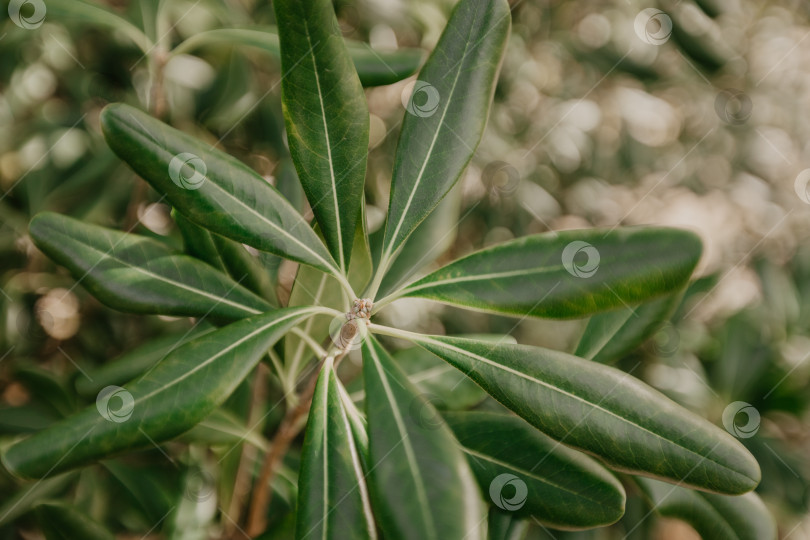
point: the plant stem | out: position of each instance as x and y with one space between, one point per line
287 431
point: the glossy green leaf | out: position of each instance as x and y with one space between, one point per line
532 475
63 522
604 412
421 485
133 363
612 334
504 525
375 68
429 241
136 274
226 255
714 517
175 395
566 274
446 115
441 384
326 116
211 188
333 500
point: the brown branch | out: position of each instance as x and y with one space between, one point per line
290 426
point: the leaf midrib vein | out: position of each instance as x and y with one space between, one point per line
573 396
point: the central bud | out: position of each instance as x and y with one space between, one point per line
361 309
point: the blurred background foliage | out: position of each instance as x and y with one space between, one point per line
605 115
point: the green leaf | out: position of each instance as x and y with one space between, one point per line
604 412
333 501
544 275
505 526
135 362
226 255
326 116
67 10
211 188
63 522
429 241
440 383
136 274
613 334
375 68
533 475
175 395
31 494
224 428
440 134
421 485
714 517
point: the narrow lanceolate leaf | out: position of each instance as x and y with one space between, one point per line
333 501
168 400
211 188
719 517
226 255
421 485
566 274
375 68
136 274
604 412
135 362
531 475
326 116
446 114
612 334
63 522
504 525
